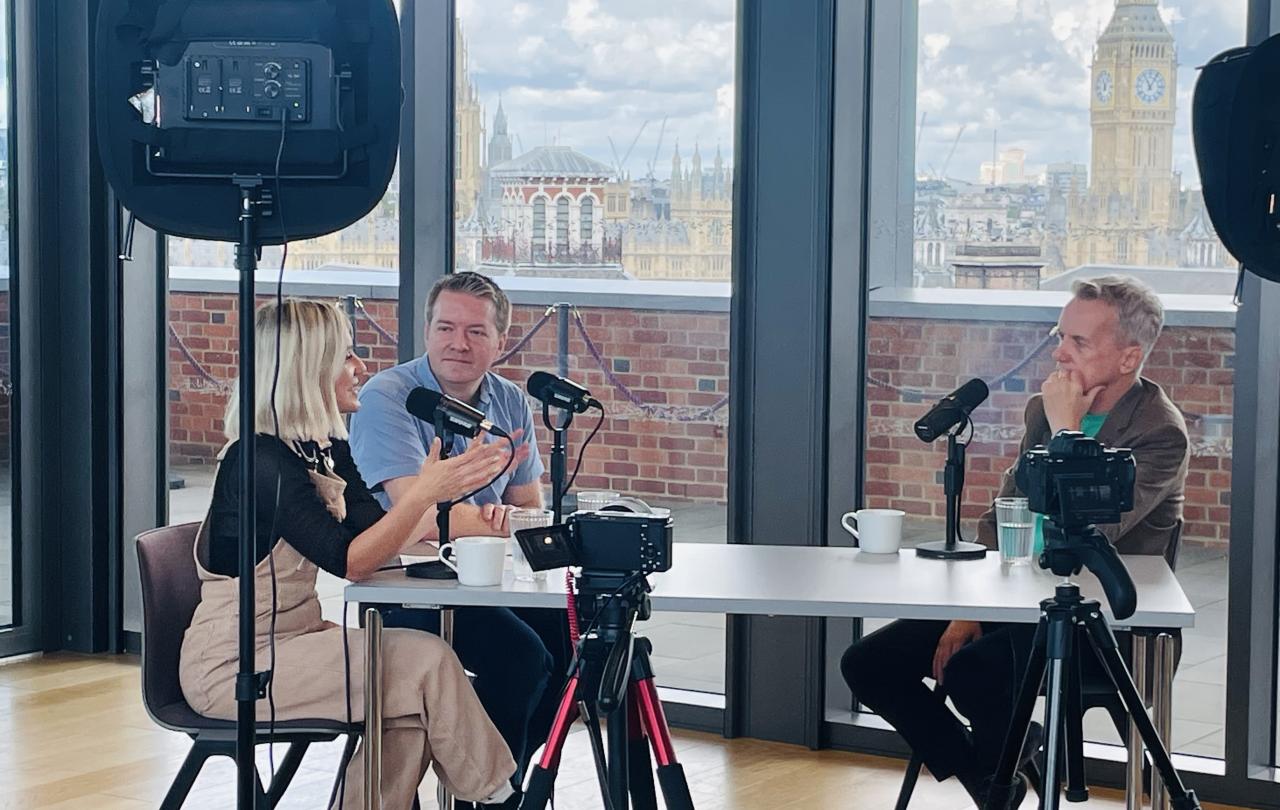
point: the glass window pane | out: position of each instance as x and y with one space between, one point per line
1065 158
9 590
600 138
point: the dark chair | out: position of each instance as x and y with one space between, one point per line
170 593
1095 693
909 779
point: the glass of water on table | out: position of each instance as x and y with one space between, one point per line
526 519
1015 530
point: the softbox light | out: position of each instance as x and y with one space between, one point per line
191 93
1236 129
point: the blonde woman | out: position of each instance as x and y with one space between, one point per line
314 511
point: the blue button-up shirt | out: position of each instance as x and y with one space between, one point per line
387 442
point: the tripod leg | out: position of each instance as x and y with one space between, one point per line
1000 795
592 722
543 776
1073 720
639 768
675 788
1105 645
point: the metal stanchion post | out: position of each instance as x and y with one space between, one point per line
372 710
1137 755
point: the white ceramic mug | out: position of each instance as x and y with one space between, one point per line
878 531
478 559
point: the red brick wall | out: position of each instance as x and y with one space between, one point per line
679 361
667 359
1195 366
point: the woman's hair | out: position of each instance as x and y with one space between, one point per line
314 340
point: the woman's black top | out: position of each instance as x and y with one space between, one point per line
300 518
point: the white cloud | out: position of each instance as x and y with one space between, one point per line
935 44
581 71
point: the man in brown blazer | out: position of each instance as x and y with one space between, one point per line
1104 335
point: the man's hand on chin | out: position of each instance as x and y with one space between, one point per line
1065 400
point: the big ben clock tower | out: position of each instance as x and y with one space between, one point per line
1133 191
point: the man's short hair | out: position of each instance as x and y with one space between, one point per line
1139 312
478 286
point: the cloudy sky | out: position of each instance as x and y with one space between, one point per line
577 72
1022 67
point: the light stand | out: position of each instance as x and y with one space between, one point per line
557 459
952 547
251 686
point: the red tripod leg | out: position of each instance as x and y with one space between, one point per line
543 775
639 767
675 788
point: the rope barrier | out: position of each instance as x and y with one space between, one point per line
201 371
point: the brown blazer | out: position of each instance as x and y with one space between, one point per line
1145 421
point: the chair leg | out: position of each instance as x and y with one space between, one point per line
186 776
288 768
348 751
909 782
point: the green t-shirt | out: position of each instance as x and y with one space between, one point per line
1089 426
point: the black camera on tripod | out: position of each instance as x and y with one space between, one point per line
1075 483
603 542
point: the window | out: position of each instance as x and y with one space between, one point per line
562 226
617 116
9 571
584 218
1074 177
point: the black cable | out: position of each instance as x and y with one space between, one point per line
275 423
489 483
582 451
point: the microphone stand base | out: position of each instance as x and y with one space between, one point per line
940 550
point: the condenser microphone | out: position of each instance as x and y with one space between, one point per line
558 391
951 410
458 416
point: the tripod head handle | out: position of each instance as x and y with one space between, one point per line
1066 551
613 680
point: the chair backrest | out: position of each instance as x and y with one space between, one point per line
170 593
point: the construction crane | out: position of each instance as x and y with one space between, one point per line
619 164
951 154
924 116
657 149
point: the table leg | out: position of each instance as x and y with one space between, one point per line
446 633
1133 779
1162 711
372 709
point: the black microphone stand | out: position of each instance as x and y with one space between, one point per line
251 686
558 463
443 507
952 547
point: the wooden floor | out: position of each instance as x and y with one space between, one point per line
73 734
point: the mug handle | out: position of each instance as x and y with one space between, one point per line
853 530
449 548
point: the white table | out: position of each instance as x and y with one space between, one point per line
815 582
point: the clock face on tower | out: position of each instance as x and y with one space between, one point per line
1103 85
1149 86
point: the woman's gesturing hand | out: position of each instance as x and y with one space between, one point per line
450 478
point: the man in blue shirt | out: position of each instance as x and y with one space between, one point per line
518 657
